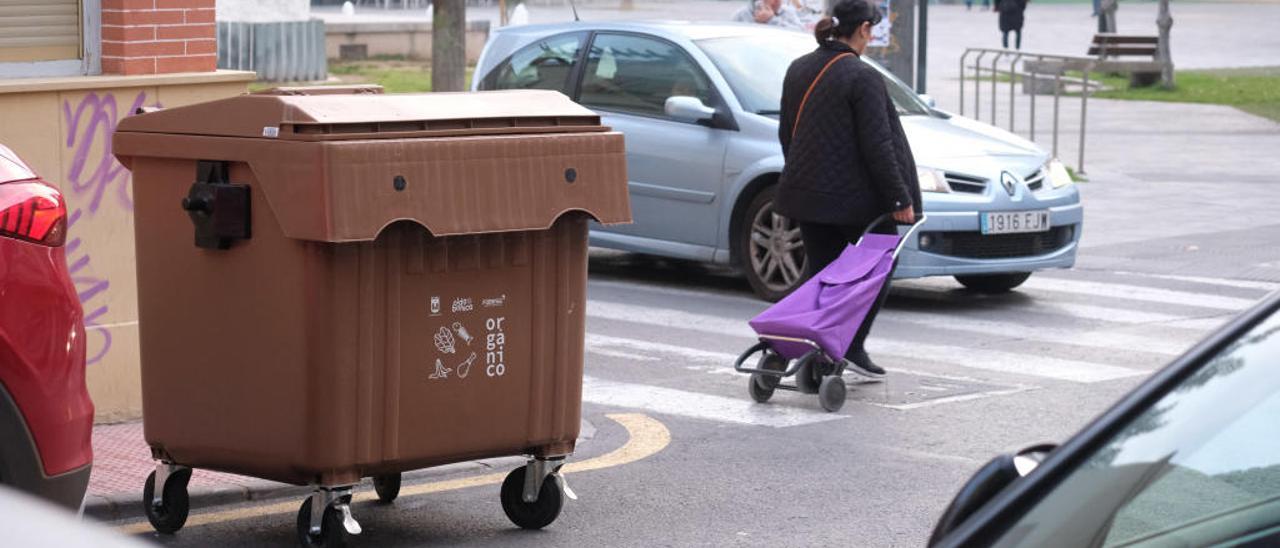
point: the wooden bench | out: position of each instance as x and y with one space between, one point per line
1041 75
1110 49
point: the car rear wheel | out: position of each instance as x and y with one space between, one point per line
993 283
770 248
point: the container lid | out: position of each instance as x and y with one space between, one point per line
364 112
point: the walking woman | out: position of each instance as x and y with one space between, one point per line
847 157
1011 12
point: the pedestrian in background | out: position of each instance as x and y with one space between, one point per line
847 158
1011 18
968 4
770 12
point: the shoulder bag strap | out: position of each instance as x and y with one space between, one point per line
805 99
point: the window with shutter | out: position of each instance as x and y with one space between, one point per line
40 30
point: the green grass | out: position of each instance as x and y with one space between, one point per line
395 75
1253 90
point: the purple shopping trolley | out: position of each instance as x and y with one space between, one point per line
806 334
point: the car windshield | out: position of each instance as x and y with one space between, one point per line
756 78
1199 467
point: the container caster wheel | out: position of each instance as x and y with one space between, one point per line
831 393
531 515
332 533
387 486
170 513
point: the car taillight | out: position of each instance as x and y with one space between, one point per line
33 211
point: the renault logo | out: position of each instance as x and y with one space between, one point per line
1009 182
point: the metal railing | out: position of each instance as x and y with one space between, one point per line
1032 69
284 51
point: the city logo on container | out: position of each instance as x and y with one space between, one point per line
463 304
435 306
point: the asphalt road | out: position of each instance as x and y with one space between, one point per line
971 376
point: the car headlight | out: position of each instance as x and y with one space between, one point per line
932 180
1058 174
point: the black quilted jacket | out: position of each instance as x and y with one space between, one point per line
849 161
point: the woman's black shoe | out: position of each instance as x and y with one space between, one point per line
862 365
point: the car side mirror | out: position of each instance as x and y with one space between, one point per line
688 109
929 101
986 483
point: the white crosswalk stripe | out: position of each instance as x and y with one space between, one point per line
975 358
928 288
1128 316
1138 293
1134 319
1005 362
1242 284
740 410
1094 338
604 344
1089 312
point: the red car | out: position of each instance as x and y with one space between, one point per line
46 417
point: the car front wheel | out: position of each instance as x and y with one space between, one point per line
770 247
993 283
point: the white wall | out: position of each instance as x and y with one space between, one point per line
262 11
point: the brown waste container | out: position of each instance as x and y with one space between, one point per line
336 284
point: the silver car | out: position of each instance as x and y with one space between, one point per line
698 103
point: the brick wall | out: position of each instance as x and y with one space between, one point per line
158 36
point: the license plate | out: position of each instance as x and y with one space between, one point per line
1014 222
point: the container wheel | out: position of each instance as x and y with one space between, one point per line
332 534
831 393
756 386
531 515
171 514
387 486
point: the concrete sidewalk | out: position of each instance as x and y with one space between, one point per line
122 461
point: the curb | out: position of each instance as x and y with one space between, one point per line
127 506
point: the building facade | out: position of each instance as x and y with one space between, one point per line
70 70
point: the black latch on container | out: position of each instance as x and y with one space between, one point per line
218 209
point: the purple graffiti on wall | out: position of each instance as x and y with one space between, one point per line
94 172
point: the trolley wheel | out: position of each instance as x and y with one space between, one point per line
756 386
531 515
332 533
831 393
772 362
387 486
809 376
171 514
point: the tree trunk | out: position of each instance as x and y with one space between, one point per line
449 45
1163 52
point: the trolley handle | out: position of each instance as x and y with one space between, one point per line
903 239
876 223
888 217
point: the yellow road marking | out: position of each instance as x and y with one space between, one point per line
646 437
